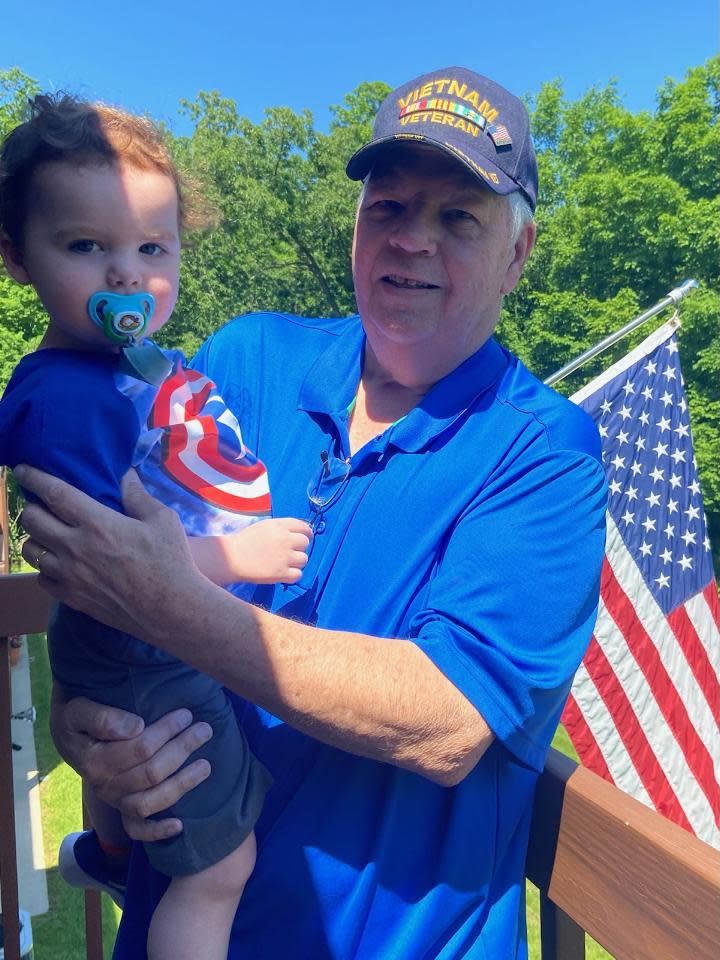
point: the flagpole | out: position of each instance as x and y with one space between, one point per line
674 297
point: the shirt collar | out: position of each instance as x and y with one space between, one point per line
331 384
450 398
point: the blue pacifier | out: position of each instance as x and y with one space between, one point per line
123 318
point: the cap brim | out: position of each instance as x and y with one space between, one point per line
362 162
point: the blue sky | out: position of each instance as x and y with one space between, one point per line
147 55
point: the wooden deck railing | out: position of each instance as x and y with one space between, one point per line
641 886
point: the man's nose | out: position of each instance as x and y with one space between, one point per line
415 232
123 272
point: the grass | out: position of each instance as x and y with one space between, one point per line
60 933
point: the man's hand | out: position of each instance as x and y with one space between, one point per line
117 569
134 768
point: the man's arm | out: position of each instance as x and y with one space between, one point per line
375 697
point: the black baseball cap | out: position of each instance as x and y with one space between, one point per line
473 119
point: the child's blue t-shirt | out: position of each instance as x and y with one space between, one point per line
78 416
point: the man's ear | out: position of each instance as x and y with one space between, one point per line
521 251
12 258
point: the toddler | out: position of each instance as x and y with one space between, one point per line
92 214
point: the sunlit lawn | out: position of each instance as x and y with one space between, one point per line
60 934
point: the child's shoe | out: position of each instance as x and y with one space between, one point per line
82 863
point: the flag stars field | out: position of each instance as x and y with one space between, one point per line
644 494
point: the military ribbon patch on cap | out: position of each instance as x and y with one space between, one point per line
497 132
440 105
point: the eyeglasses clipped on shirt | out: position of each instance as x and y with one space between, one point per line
325 488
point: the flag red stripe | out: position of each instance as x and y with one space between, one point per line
666 695
697 658
584 740
659 789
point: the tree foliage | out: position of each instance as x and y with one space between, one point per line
629 207
21 317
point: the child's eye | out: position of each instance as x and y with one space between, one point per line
83 246
151 249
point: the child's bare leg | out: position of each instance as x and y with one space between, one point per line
107 823
97 860
194 917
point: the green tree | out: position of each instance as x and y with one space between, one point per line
21 316
286 207
629 208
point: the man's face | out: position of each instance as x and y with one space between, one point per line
432 260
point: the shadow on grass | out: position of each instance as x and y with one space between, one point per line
60 933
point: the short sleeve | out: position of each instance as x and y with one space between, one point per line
71 421
511 607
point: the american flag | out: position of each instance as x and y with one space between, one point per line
644 711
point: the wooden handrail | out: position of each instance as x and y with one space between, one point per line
641 886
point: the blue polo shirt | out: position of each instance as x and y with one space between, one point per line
473 527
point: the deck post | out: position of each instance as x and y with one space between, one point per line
8 851
560 937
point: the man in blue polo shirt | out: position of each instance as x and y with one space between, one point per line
404 693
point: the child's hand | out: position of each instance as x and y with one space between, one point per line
269 551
